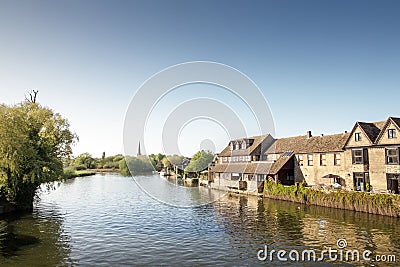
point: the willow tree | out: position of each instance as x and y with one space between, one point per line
33 142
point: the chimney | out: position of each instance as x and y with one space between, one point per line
309 135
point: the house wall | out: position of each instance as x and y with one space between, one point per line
377 168
313 174
384 140
225 183
363 142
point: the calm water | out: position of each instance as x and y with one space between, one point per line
107 220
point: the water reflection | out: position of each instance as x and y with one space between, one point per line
253 222
29 239
106 220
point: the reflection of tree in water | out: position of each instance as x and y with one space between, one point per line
34 239
11 242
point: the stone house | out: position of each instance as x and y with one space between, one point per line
239 166
374 150
365 159
312 157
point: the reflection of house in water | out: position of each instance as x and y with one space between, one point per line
254 222
365 159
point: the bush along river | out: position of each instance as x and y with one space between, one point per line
107 220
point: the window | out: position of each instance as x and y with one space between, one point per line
244 144
357 156
300 160
357 137
260 178
231 145
236 145
224 159
322 159
392 133
310 160
393 183
337 159
392 156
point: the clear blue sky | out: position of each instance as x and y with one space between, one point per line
322 65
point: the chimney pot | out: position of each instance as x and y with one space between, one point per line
309 135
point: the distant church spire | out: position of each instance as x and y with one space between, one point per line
139 153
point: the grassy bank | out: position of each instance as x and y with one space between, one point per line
383 204
69 174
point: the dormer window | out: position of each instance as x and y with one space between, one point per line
243 144
231 145
357 137
236 145
392 133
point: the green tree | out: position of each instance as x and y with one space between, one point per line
200 161
166 162
34 140
175 159
86 160
135 165
118 158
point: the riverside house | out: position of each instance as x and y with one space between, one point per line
239 166
365 159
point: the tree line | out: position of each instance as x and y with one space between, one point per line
128 165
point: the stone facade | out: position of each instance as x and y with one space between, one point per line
366 159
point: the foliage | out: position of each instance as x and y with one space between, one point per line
154 159
384 204
200 161
86 160
166 162
34 140
175 159
135 165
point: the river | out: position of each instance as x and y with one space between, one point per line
107 220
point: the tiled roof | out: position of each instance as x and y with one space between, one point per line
280 163
372 129
255 167
396 121
244 152
314 144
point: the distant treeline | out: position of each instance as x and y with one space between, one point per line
136 165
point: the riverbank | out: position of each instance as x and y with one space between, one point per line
382 204
82 173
